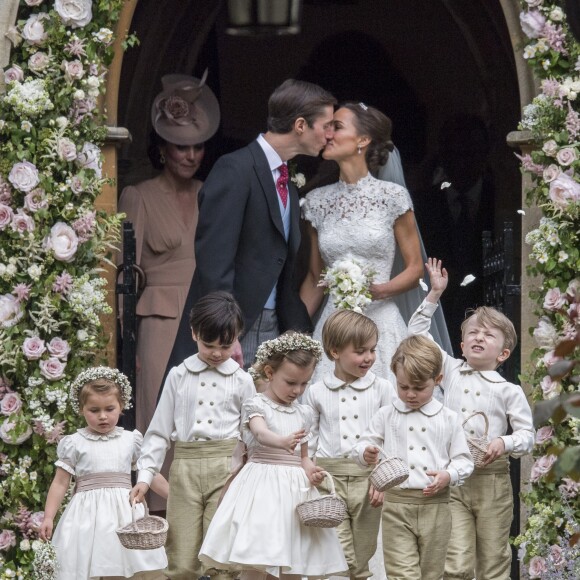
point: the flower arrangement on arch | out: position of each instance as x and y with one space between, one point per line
347 282
53 243
548 543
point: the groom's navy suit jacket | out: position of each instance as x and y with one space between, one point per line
240 245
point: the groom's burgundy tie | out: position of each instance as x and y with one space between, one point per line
282 183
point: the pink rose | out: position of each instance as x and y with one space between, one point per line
38 62
66 149
22 223
573 290
551 172
6 433
10 310
7 540
542 466
24 176
537 567
550 359
52 369
550 148
544 434
35 521
76 184
73 70
176 110
569 488
554 300
549 387
11 403
557 557
14 73
63 241
35 200
532 23
33 31
59 348
6 215
545 334
74 13
566 156
563 190
33 348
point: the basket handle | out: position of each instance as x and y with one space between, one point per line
134 511
484 418
383 453
330 483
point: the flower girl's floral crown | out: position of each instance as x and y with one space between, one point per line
287 343
95 373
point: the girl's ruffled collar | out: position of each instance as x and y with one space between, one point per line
276 406
91 435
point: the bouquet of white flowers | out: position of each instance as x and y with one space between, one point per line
347 282
44 565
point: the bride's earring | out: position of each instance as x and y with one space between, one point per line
359 149
161 158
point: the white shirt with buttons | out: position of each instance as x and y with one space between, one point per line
342 411
467 390
198 403
426 439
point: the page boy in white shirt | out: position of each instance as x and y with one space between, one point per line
199 409
344 402
429 438
482 509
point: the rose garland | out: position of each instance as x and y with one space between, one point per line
553 117
52 242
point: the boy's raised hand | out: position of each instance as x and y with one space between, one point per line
438 278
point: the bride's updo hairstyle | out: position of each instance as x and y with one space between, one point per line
378 127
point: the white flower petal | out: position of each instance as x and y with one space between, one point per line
423 285
521 212
467 280
445 185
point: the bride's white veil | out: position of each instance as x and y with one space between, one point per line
410 300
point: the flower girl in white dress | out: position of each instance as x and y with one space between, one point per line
256 528
99 456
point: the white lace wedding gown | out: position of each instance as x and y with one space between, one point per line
358 219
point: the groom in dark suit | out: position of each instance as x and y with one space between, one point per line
248 230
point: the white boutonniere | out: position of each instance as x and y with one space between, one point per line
298 180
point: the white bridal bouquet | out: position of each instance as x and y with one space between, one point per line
347 282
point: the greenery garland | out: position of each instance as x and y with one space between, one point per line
548 544
52 245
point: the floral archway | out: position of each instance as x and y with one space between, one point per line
53 243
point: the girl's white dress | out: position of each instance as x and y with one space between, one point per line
358 219
85 538
257 526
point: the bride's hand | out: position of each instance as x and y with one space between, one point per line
379 291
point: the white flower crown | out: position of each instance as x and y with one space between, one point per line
94 373
287 343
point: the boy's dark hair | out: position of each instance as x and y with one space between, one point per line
294 99
217 316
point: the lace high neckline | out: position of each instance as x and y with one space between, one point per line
361 182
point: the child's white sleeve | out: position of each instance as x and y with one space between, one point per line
373 436
309 400
67 454
420 322
521 440
461 462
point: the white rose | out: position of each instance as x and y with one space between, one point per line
34 271
104 35
34 2
10 310
26 126
74 13
90 158
557 14
545 334
566 156
82 335
61 122
532 23
73 70
13 35
79 95
534 3
550 148
93 83
33 31
63 241
14 73
38 61
25 544
66 149
24 176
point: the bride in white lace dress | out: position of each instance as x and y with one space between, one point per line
366 218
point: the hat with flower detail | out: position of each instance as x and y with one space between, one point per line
185 112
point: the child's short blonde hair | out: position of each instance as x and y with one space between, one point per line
345 327
419 357
493 318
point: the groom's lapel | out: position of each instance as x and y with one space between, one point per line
264 175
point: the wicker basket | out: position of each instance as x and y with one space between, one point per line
478 445
388 473
147 533
326 511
